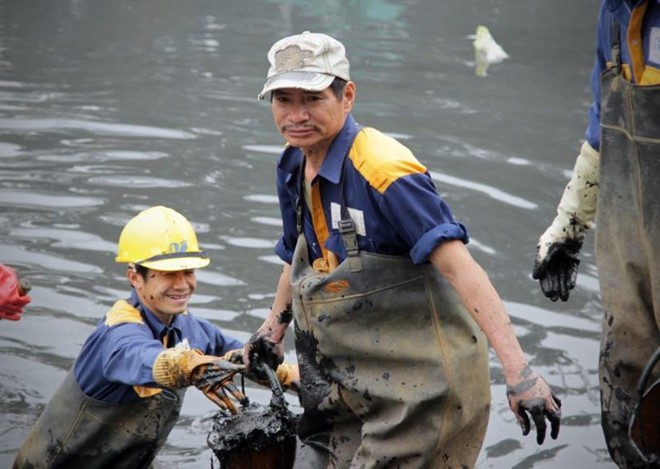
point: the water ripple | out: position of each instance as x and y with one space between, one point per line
97 128
34 199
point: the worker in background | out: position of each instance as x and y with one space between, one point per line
616 184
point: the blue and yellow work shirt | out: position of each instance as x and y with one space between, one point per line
640 50
116 361
389 195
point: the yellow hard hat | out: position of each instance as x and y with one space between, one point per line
160 238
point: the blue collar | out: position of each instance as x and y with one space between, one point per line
156 325
629 5
331 168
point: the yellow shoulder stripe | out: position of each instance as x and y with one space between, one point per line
634 40
381 160
651 76
121 312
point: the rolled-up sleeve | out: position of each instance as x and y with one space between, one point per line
431 239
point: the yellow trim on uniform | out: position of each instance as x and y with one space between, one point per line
651 76
122 312
381 160
329 262
627 74
144 391
318 218
634 41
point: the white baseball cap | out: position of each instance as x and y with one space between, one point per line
309 61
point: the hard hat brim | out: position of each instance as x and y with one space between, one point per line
176 264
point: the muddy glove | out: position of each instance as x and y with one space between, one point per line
558 249
287 374
179 367
532 395
261 349
13 294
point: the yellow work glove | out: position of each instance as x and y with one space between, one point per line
287 374
558 249
179 367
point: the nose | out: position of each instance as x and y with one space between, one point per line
179 280
298 112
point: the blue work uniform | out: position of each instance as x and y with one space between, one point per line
118 356
391 198
394 370
109 412
640 50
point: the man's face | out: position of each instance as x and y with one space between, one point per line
310 120
166 294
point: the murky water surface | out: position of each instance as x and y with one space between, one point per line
109 107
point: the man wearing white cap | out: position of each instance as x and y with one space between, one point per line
389 305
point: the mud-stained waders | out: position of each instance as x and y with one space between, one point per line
394 371
628 249
77 432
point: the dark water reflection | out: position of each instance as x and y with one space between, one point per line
109 107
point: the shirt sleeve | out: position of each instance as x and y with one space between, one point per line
128 355
287 242
421 217
218 343
603 53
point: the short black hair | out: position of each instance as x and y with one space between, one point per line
338 85
142 270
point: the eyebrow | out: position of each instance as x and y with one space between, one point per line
307 92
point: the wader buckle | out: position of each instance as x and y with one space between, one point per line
349 237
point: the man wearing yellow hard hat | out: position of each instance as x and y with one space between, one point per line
122 397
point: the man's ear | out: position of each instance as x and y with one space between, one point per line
349 96
132 276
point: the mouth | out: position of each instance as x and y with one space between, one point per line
299 132
178 298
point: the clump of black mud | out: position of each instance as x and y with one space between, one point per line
257 429
257 437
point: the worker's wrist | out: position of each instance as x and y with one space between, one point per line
516 372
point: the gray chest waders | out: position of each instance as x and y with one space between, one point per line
628 251
394 371
77 432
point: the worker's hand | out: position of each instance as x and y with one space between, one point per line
13 298
558 248
262 349
557 270
532 395
286 373
178 367
214 379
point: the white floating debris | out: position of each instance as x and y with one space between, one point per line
486 51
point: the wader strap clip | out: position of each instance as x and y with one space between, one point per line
349 237
616 46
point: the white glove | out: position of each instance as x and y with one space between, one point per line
557 257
